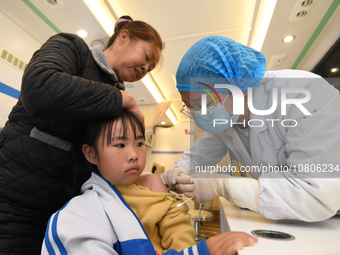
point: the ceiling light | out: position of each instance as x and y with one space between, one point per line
153 88
102 13
171 115
334 70
263 17
130 86
288 38
82 33
174 78
158 96
163 122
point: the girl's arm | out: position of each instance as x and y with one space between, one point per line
153 182
175 227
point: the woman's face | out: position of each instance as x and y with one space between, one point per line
130 59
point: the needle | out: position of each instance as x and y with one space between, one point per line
179 205
171 186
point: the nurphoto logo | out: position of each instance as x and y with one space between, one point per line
238 104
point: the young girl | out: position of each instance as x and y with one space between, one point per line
145 221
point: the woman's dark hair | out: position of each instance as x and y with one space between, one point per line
137 30
94 129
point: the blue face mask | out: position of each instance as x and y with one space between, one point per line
206 122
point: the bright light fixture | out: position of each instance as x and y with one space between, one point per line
174 78
171 115
156 93
152 87
288 38
82 33
101 12
334 70
163 122
264 15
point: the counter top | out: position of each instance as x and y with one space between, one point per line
312 238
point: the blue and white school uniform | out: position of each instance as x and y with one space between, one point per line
100 222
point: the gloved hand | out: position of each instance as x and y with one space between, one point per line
169 176
203 186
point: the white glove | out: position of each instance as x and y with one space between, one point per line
206 186
203 186
169 176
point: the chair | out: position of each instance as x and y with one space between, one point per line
157 168
199 215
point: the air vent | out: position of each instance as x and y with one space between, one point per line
55 4
301 14
12 60
302 10
306 3
52 1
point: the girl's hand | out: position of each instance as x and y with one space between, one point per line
129 103
229 243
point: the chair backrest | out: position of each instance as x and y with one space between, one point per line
157 168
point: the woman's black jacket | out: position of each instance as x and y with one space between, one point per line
61 87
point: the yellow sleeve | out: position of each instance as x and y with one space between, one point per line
176 229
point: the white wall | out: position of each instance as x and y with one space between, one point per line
168 139
22 45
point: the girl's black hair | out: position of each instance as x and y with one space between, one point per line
93 130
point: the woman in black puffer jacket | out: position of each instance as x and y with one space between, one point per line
64 84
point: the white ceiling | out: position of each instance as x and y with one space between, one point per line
181 23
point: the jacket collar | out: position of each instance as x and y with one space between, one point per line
100 59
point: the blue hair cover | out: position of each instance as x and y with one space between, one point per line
220 60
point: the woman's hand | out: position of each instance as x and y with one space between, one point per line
229 243
129 103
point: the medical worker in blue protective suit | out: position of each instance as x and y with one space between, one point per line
291 151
